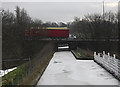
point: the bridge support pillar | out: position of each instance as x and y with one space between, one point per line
73 45
55 46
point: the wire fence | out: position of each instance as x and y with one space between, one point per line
7 60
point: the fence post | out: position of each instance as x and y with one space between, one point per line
108 54
103 55
29 65
98 54
109 62
94 54
103 52
114 55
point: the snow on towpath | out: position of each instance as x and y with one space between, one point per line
64 69
4 72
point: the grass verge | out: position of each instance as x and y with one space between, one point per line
33 77
82 54
29 73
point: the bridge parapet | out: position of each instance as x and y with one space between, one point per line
110 63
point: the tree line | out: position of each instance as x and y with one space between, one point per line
13 30
96 26
93 26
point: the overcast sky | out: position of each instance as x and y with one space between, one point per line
59 11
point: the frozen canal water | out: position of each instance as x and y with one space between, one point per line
64 69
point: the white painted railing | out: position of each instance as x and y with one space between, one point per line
110 63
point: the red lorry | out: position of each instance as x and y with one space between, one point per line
50 32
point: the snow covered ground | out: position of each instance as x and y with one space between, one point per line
3 72
63 47
64 69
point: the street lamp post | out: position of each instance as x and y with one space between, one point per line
103 9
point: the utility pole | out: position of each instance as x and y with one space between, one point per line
103 10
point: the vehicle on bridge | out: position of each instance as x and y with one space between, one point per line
47 32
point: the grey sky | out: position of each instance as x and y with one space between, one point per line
61 11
